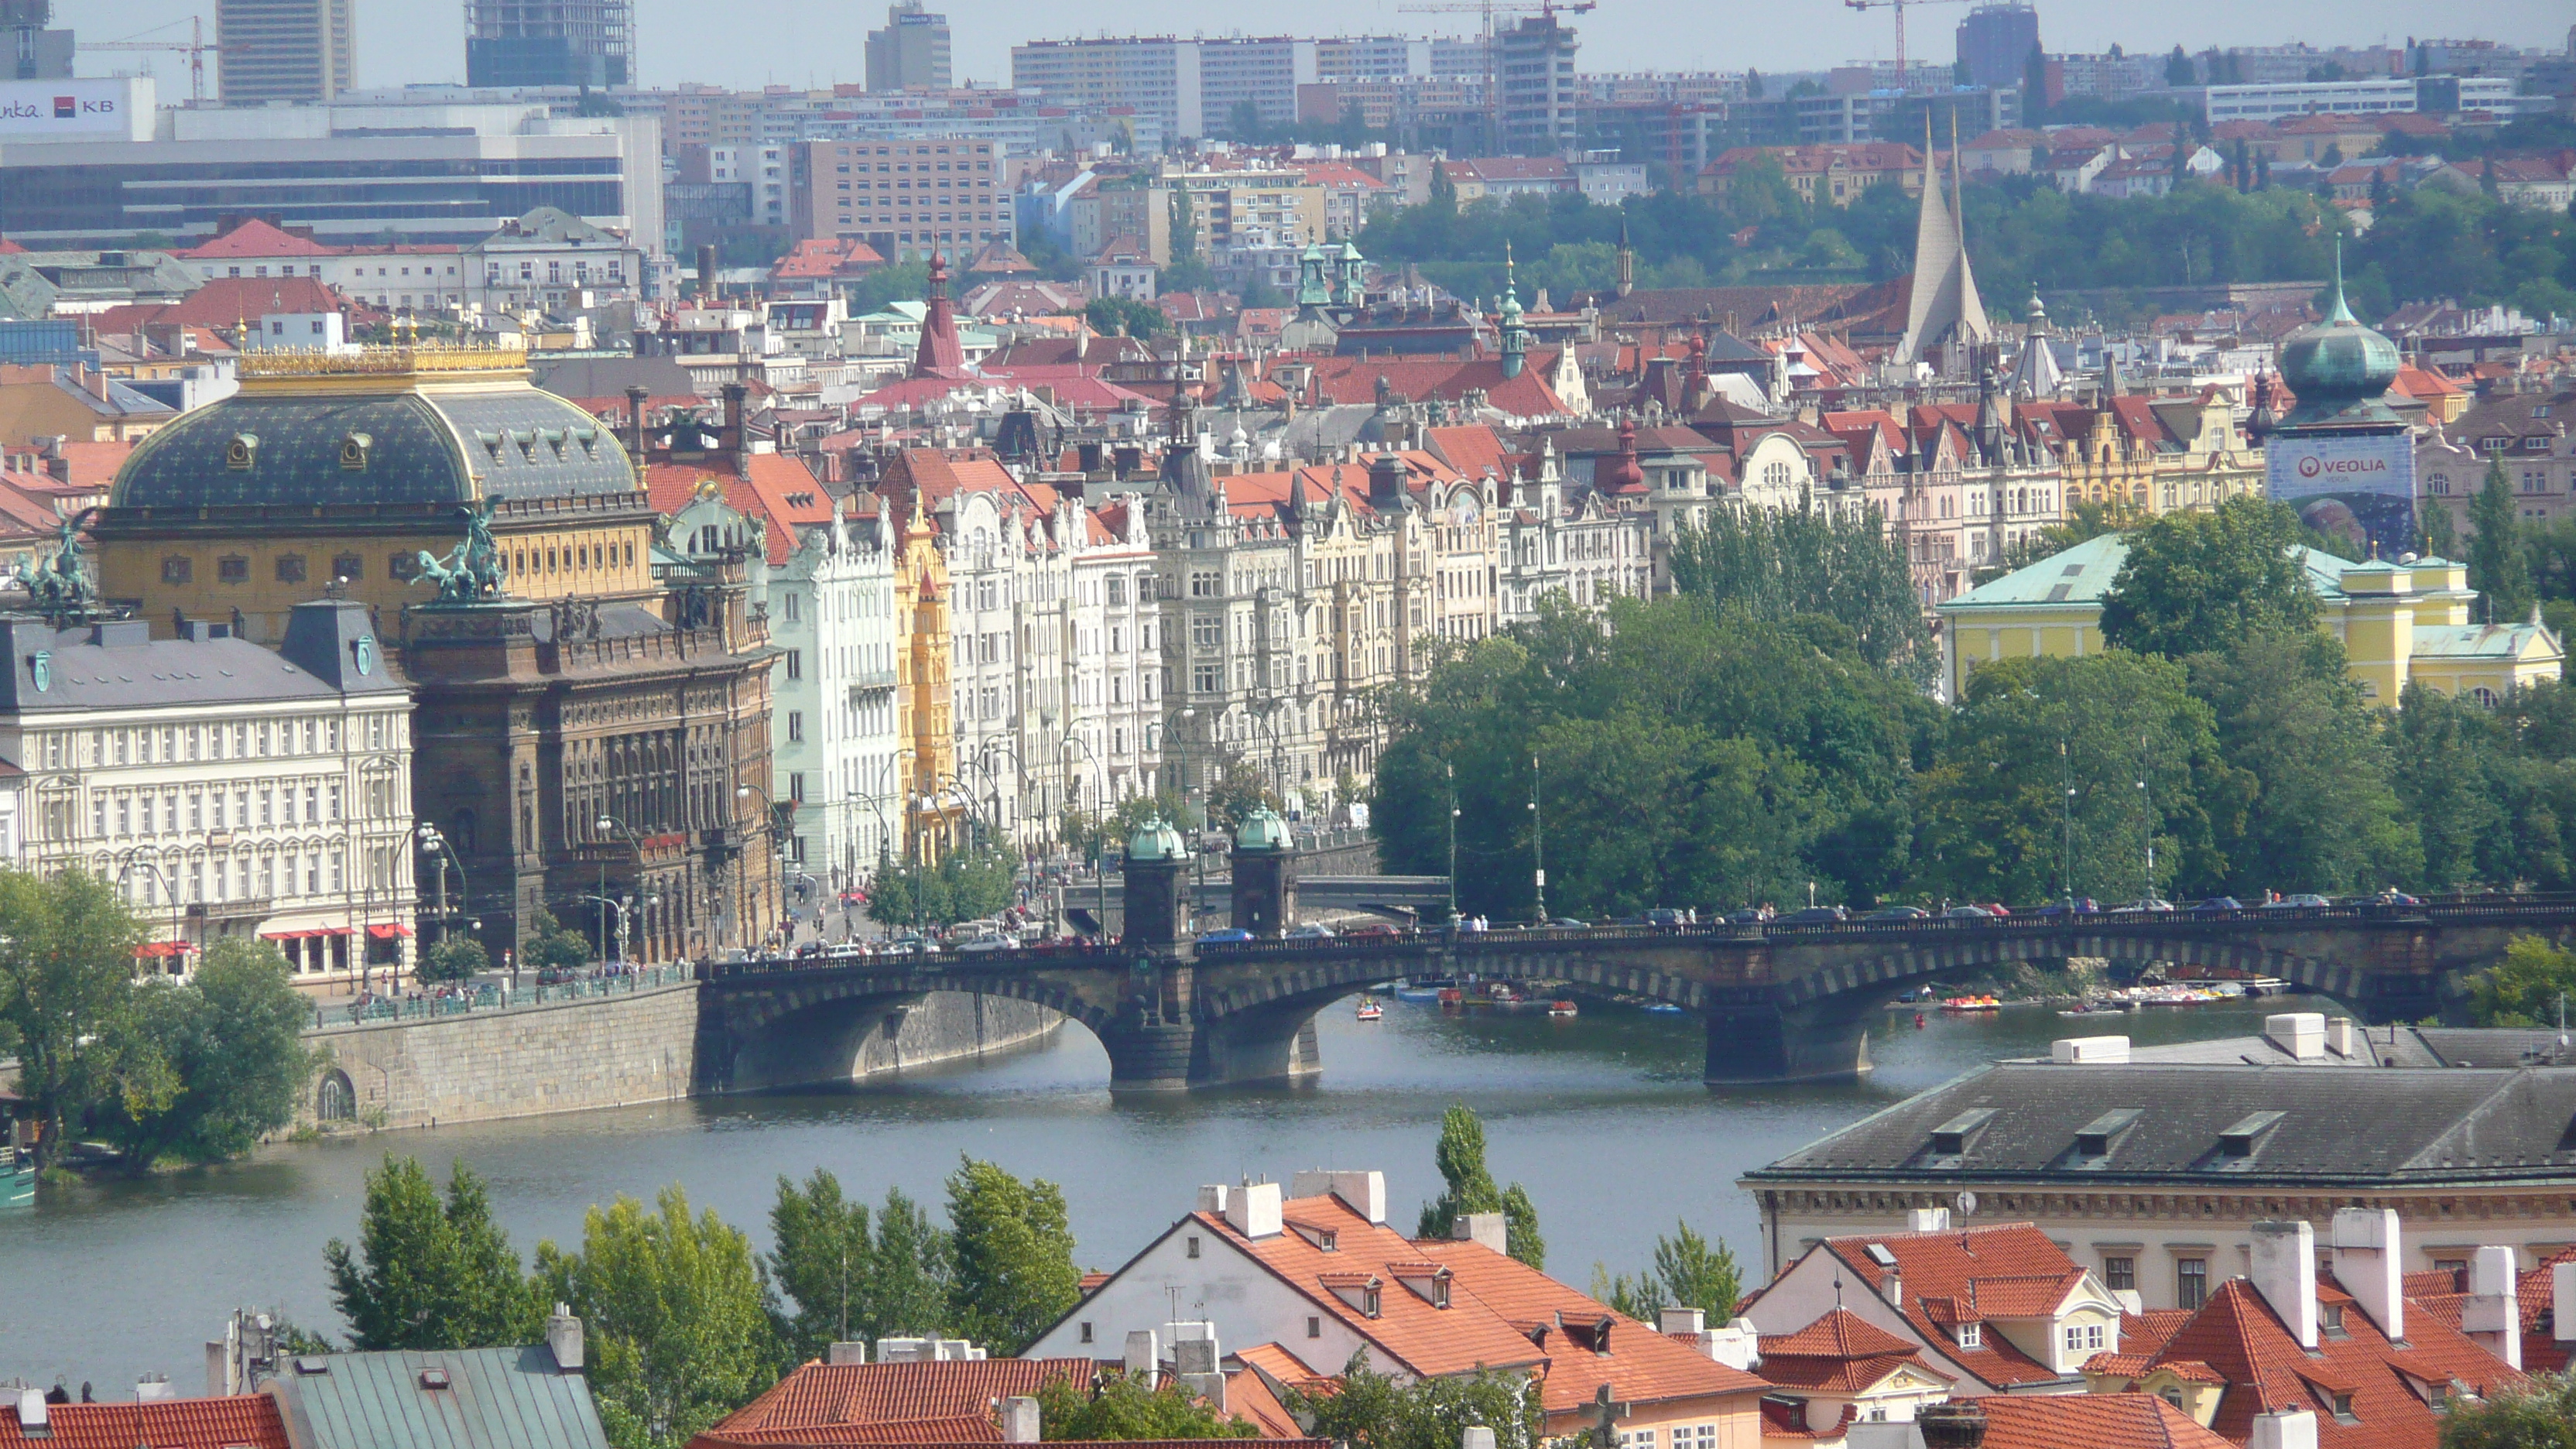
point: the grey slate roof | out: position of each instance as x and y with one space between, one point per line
2399 1046
496 1398
119 666
2391 1128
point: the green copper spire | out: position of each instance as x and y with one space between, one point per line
2341 316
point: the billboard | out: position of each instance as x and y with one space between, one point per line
118 109
2359 486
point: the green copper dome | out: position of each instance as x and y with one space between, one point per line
1262 830
2338 368
1155 840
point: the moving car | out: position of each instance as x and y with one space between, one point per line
1373 930
1222 935
1967 913
2216 906
2150 906
1666 918
2287 903
1897 913
1310 932
1816 916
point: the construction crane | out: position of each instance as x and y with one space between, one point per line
194 47
1899 7
1488 9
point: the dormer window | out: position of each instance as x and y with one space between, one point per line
354 450
1951 1138
241 452
2240 1139
1972 1335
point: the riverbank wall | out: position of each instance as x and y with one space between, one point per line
607 1051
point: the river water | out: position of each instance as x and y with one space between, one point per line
1603 1118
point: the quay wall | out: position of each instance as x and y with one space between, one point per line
606 1051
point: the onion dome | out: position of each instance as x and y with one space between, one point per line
1262 830
1154 840
2338 369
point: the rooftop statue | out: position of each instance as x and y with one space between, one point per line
471 572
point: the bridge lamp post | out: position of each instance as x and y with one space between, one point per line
777 834
612 826
1100 820
1538 844
443 854
140 855
1451 775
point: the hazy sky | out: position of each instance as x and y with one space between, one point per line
748 43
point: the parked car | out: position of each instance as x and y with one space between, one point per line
2395 897
1224 934
2294 902
854 897
1967 913
1749 916
2216 906
1374 930
2152 905
1666 918
1567 923
1310 932
989 943
1816 916
1897 913
2082 906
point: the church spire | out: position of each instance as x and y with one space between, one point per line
1515 336
1944 307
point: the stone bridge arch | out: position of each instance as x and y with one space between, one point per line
1875 973
805 1028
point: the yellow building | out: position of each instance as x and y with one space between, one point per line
933 812
329 468
2399 623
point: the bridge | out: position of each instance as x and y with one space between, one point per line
1780 1003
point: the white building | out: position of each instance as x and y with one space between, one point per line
550 260
2347 98
226 789
833 728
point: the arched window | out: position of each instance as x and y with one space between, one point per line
2485 697
335 1100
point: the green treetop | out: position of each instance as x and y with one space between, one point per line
2498 567
1119 1407
1012 1246
429 1275
1460 1156
2197 582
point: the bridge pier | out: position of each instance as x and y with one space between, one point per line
1760 1044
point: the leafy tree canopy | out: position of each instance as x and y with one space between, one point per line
1370 1410
1119 1407
2199 582
430 1274
1012 1249
1688 1272
1460 1156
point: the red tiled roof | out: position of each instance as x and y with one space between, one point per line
1967 1276
2144 1333
239 1421
1787 1419
2237 1334
2095 1421
1839 1334
1248 1397
877 1395
779 490
256 238
1839 1375
1445 379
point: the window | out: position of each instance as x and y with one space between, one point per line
795 725
402 567
290 568
233 570
2083 1337
348 566
1972 1335
177 569
2191 1282
2119 1272
1314 1326
1194 1245
796 664
2330 1319
1085 1335
788 602
2342 1402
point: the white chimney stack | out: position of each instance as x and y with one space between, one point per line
1476 1436
1737 1345
31 1414
1485 1229
852 1352
2366 1263
2285 1273
2492 1313
2090 1050
563 1338
2302 1034
2284 1429
1212 1198
1144 1358
1927 1220
1680 1320
2562 1301
1020 1420
1253 1209
1362 1192
2339 1035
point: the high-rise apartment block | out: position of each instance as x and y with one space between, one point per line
912 50
1995 42
904 198
286 50
1155 74
549 42
1535 71
1194 87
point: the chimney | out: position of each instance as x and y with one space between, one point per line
1362 1192
2365 1263
2339 1035
852 1352
1019 1420
31 1414
1144 1358
1482 1228
1951 1426
2285 1273
707 274
1476 1436
2562 1302
2284 1429
1927 1220
1212 1198
1893 1289
737 437
1736 1345
2493 1314
154 1389
1254 1210
2090 1050
636 396
563 1338
2302 1034
1386 482
1681 1320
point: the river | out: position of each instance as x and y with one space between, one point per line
1603 1118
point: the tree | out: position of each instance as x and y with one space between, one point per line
232 1042
427 1274
844 1283
67 993
2444 758
901 282
1444 189
2293 722
1752 84
2178 71
1369 1410
1998 822
1116 1406
552 945
1776 563
2034 88
456 958
673 1312
1012 1246
2195 582
1115 316
1185 228
2086 519
1688 1272
2524 989
2439 535
1243 122
2498 567
1239 788
1460 1156
2540 1414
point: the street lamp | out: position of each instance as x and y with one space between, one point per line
1100 822
777 836
1450 774
1538 842
133 856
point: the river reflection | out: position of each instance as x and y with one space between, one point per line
1603 1118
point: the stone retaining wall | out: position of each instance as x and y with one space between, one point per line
609 1051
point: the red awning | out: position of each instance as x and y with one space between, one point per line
163 948
389 933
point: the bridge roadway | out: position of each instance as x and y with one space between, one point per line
1780 1003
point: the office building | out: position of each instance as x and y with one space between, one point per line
34 52
1373 57
911 51
589 43
1158 75
904 198
1535 72
1995 42
2357 97
1263 73
425 172
286 50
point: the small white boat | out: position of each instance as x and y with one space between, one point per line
1560 1009
1369 1009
